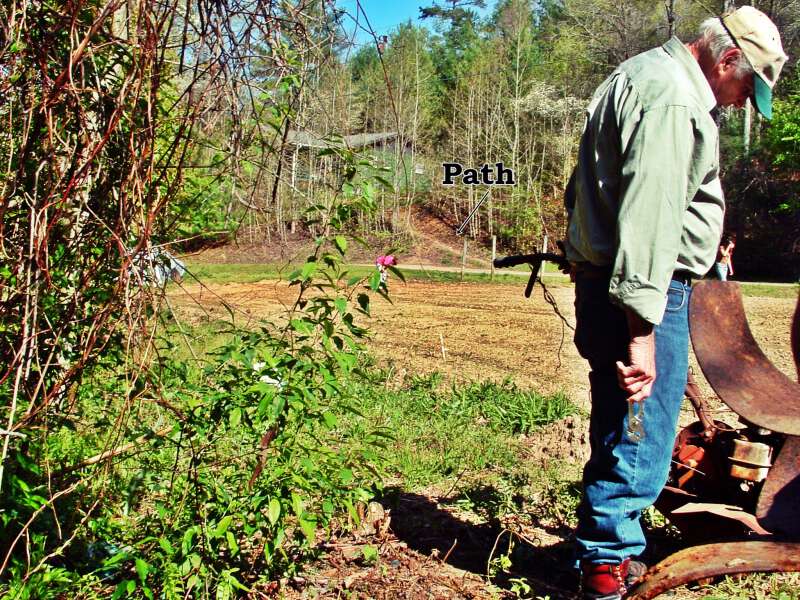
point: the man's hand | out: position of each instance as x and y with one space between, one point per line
637 378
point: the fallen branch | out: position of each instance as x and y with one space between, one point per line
116 451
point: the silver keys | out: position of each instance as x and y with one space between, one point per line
635 430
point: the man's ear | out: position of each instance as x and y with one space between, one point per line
730 58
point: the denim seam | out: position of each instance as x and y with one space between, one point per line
683 300
635 478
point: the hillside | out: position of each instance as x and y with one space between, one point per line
429 241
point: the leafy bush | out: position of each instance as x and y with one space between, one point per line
206 475
783 134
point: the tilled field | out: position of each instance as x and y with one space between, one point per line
471 331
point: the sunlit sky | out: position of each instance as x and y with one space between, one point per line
386 15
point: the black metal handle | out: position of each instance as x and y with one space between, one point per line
530 259
513 261
535 261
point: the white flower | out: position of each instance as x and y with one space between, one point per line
271 381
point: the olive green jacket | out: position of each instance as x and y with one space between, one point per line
645 196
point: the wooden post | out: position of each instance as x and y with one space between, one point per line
494 255
464 258
544 249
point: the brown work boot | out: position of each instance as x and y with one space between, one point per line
604 581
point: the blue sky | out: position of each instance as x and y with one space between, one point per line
386 15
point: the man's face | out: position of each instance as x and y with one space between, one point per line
730 89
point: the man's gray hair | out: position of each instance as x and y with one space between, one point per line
717 40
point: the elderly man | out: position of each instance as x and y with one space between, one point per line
645 217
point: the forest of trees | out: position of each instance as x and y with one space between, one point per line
509 86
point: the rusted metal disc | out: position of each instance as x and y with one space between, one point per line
711 560
779 502
733 363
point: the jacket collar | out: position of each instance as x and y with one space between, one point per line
702 90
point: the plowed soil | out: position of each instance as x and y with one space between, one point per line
469 332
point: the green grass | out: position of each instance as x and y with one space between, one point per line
423 414
424 417
766 290
225 273
761 586
249 273
204 338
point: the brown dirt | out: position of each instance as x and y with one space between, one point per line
469 332
422 238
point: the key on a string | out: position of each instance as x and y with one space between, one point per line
635 430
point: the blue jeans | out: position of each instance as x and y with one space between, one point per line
624 477
722 271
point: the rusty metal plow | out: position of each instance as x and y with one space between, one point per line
747 498
710 560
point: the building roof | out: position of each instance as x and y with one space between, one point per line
306 139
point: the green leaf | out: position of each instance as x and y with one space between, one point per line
120 590
308 269
308 528
274 511
398 272
363 302
370 554
302 326
341 244
341 305
330 419
346 475
227 575
236 417
166 546
232 545
185 568
142 569
375 281
369 193
188 538
222 526
297 504
388 186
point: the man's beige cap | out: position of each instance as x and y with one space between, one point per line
760 42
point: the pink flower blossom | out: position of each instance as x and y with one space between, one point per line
385 261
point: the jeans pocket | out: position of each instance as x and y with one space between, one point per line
676 296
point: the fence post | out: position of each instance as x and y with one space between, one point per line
464 258
544 249
494 255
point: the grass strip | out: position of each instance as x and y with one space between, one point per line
249 273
